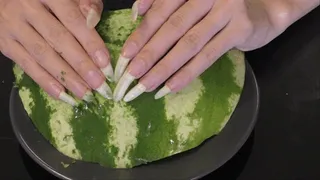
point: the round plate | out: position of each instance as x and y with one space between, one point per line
193 164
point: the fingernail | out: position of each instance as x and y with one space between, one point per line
67 98
108 72
135 10
102 58
162 92
94 78
134 92
122 86
93 18
88 96
105 90
120 67
129 49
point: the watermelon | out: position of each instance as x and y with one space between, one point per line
126 135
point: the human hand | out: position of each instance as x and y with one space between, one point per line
199 32
55 43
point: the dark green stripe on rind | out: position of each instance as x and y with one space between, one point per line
156 137
40 111
90 132
217 92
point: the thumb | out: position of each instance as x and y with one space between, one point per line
92 10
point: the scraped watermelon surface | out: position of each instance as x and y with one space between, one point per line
125 135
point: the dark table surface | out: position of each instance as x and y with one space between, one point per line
285 144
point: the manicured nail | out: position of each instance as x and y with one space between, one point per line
93 18
135 92
101 58
108 72
105 90
162 92
88 96
67 98
135 10
120 67
122 86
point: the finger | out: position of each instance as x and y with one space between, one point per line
71 17
218 46
152 21
92 10
140 7
38 74
45 56
69 48
176 26
186 48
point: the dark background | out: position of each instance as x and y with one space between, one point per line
285 144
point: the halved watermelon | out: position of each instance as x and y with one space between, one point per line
124 135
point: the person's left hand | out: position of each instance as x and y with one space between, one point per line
198 31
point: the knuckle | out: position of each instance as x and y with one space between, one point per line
26 62
177 22
210 55
39 49
192 41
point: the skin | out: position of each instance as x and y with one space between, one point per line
66 53
57 53
178 40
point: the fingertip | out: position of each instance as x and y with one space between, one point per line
54 89
144 6
165 90
134 92
57 91
63 96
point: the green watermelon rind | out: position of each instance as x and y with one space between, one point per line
125 135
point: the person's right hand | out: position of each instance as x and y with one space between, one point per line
55 43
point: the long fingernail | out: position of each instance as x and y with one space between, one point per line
67 98
135 10
108 72
102 59
135 92
122 86
88 96
93 18
105 90
162 92
120 67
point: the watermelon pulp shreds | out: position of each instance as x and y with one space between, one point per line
124 135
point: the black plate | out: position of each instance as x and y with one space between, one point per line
193 164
